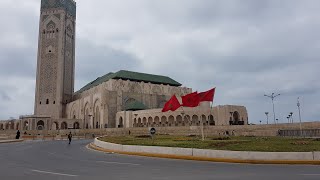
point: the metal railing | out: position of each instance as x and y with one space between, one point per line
298 133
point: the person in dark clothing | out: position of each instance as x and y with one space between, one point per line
18 134
70 137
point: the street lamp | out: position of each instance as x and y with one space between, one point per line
298 104
288 117
260 122
291 116
267 113
277 120
272 96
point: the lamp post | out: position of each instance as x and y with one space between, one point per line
291 116
277 120
288 117
260 122
267 113
272 96
298 104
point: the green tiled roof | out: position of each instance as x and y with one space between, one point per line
132 76
135 105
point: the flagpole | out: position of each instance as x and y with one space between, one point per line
201 121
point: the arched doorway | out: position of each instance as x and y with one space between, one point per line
40 125
236 118
204 120
163 121
211 120
7 126
150 121
25 125
55 126
157 121
76 125
187 121
171 120
120 125
179 121
64 125
97 117
1 126
195 120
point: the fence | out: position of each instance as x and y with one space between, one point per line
298 133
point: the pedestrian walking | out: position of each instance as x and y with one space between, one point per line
70 137
18 134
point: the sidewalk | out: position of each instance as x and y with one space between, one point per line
11 141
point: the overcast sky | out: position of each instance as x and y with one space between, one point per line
245 48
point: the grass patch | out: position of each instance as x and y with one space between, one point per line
263 144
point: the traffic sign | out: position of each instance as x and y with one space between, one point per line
153 131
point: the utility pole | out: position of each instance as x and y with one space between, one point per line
267 113
298 104
272 96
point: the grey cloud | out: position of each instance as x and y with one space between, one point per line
245 49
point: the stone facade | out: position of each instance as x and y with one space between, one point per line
56 57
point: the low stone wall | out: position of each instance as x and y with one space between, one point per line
236 130
206 153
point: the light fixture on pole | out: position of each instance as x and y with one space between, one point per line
288 117
298 104
272 96
267 113
291 116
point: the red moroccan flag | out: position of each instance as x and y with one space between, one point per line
207 95
191 100
173 104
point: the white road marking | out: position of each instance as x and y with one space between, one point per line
310 174
107 162
60 174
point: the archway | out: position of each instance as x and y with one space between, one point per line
211 120
187 120
236 117
204 120
157 121
163 121
171 120
64 125
120 125
97 117
144 120
195 120
7 126
76 125
139 122
25 125
12 125
40 125
179 120
1 126
150 121
55 126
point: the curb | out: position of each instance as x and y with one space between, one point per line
11 141
225 160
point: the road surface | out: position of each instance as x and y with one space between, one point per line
56 160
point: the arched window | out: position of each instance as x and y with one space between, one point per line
47 102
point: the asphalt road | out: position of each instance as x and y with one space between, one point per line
56 160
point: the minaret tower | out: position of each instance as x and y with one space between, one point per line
56 57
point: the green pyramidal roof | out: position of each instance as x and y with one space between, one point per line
132 76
